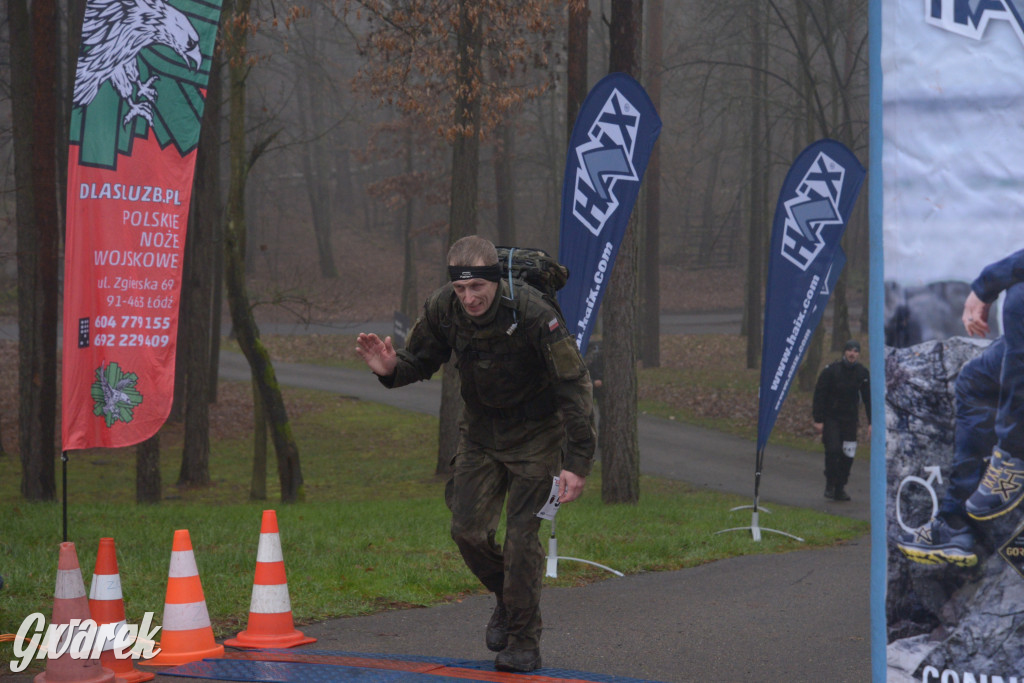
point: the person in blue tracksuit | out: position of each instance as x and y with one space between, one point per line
987 477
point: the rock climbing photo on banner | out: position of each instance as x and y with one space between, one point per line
949 582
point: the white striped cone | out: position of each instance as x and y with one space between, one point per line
70 602
106 604
270 610
187 635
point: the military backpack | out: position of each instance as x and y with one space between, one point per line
536 268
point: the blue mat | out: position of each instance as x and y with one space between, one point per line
297 672
265 666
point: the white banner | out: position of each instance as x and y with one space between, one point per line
952 169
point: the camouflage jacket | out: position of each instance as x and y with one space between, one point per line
521 372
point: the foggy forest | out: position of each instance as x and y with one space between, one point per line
349 127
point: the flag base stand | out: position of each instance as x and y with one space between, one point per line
754 528
553 558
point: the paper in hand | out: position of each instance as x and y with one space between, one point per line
551 507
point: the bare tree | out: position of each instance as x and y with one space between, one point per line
312 87
576 71
463 215
198 287
289 469
505 183
620 450
756 216
33 99
650 340
148 481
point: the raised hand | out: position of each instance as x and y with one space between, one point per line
378 354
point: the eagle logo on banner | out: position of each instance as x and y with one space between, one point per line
141 69
115 32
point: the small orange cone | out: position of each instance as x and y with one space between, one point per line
187 633
69 602
270 610
106 604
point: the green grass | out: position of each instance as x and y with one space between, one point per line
372 533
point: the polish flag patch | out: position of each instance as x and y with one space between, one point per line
553 324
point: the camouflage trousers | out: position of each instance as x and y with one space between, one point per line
482 481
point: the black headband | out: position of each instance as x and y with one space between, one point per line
489 273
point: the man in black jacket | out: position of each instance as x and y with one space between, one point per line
841 387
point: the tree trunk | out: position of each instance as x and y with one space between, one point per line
410 275
505 185
148 482
620 450
807 375
288 466
198 288
840 313
73 14
33 63
315 167
650 340
576 70
258 485
463 212
757 182
709 234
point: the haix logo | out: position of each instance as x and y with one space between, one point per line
82 639
814 207
970 18
605 159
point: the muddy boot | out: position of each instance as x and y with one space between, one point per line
497 628
514 659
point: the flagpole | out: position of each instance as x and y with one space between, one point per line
64 490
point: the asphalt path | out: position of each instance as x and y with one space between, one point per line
797 616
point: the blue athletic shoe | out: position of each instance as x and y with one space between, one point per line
938 543
1001 488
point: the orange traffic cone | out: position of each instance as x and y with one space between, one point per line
270 610
187 633
106 604
69 602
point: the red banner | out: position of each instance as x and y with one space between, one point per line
134 132
122 276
